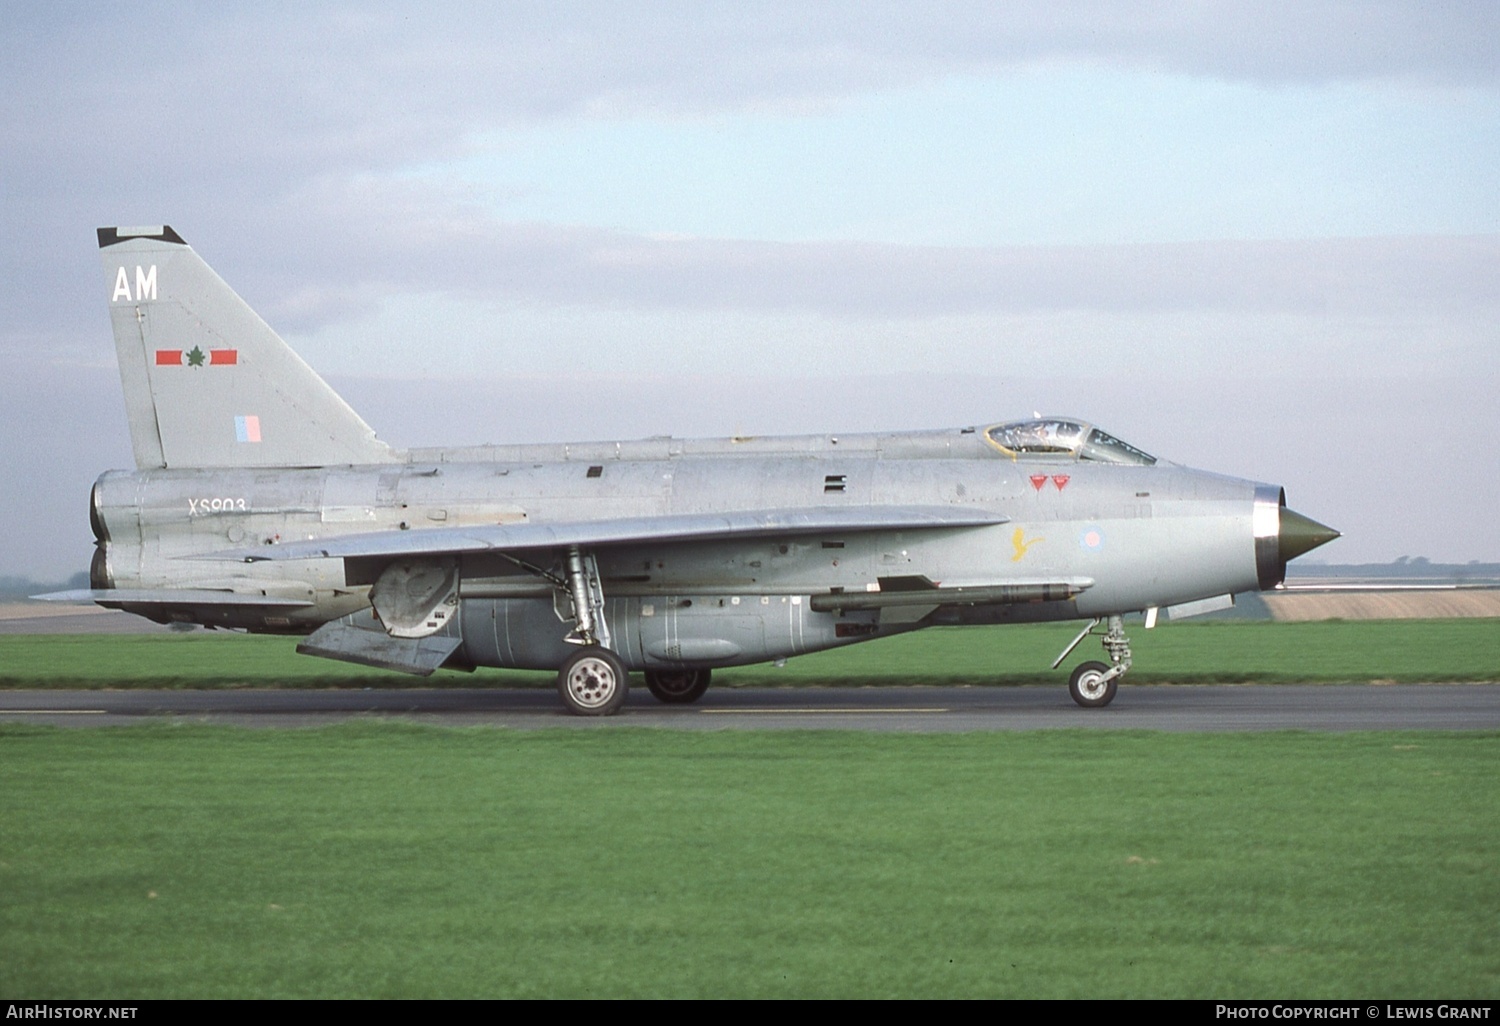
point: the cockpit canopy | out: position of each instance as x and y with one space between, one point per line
1055 438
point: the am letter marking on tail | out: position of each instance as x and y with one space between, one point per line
145 285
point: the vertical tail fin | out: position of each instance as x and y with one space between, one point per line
207 382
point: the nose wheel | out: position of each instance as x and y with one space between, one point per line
1093 684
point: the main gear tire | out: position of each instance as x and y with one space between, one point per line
678 687
593 682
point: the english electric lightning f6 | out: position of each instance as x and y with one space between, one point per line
262 502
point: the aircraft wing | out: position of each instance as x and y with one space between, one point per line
674 527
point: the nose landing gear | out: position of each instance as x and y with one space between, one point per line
1093 684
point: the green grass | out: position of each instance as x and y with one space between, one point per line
1393 650
388 860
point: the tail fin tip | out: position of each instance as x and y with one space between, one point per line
161 232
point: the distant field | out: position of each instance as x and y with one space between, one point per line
389 860
1381 605
1396 650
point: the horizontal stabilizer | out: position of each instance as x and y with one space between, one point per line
674 527
173 597
342 640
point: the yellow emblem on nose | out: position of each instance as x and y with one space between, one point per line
1020 544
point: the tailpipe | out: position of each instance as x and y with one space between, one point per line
1281 535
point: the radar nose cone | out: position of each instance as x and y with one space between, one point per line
1300 534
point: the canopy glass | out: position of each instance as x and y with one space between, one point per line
1055 438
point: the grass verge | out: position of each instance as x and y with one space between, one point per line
389 860
1227 652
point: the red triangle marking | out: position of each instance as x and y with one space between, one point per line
1038 480
1061 480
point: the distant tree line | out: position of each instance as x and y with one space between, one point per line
20 587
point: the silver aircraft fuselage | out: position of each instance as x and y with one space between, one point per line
260 501
1129 538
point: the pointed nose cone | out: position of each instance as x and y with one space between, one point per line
1300 535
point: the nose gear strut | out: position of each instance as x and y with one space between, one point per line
1118 646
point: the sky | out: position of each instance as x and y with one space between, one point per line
1257 238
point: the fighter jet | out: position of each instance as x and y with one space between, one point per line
262 502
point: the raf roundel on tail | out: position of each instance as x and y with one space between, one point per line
261 501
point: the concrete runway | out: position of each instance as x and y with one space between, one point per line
1215 708
44 618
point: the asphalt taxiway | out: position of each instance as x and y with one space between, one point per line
1321 707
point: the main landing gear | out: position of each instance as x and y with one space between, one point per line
1093 684
594 681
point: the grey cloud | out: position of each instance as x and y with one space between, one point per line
328 255
244 116
350 259
169 90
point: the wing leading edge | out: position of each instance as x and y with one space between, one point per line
676 527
